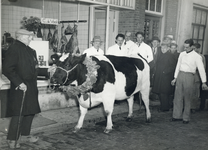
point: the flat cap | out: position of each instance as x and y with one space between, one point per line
24 32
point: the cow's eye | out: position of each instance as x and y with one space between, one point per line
66 65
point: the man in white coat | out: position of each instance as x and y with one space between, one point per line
118 49
141 48
95 49
128 43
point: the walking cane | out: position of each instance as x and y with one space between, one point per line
18 126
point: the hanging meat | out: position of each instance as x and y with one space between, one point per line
39 33
72 45
63 40
69 30
44 34
55 41
49 38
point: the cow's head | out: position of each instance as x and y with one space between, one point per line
66 68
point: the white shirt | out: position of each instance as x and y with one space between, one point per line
189 62
144 50
128 45
92 51
115 50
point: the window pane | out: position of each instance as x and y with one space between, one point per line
198 16
152 5
146 28
155 27
201 32
194 16
204 16
147 3
195 33
158 6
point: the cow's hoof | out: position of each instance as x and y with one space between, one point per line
128 119
107 130
149 120
76 129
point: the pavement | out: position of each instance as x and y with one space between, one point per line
57 119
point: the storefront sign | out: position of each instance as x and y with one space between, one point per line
49 21
42 50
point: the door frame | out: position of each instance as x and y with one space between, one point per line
108 34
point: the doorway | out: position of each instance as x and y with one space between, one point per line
152 27
99 25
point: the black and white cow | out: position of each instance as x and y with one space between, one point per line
118 78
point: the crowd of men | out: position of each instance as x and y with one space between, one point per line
176 77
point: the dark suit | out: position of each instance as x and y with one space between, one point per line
20 66
152 64
204 94
165 67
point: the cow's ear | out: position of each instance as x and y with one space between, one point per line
83 57
55 58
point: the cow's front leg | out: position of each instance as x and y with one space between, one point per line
83 112
108 107
130 103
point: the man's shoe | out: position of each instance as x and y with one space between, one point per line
174 119
185 122
31 139
11 144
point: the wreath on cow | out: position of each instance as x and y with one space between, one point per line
84 88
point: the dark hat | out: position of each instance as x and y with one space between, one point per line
24 32
155 38
96 39
173 44
165 43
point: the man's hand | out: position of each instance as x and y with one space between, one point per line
23 87
204 86
173 82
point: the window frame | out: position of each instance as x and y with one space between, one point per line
154 12
198 26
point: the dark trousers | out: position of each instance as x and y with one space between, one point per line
164 102
25 126
204 96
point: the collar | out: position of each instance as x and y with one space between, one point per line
96 49
137 43
189 51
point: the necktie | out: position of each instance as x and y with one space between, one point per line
120 48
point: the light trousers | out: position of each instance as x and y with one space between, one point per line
183 96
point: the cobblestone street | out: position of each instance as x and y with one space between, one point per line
161 134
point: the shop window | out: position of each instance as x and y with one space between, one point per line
154 6
199 22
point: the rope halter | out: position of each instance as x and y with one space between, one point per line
67 72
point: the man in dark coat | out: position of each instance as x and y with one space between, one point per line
20 67
156 50
163 76
204 93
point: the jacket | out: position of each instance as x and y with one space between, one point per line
20 66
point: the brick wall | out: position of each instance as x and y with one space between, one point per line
171 12
132 20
